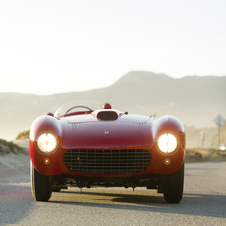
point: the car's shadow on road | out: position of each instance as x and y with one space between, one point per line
191 204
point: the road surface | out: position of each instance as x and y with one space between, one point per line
203 203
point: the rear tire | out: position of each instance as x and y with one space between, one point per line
41 185
173 186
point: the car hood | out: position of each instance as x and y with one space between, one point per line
86 131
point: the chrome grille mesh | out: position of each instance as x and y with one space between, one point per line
121 161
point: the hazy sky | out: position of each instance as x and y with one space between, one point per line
51 46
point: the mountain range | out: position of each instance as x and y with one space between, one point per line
195 100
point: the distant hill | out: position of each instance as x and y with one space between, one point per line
194 100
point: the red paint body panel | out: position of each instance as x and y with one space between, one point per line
87 132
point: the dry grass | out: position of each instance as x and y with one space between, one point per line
207 155
7 147
23 135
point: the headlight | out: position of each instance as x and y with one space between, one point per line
167 143
47 142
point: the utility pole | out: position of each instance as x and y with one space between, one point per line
219 121
203 134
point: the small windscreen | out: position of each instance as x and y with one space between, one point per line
77 105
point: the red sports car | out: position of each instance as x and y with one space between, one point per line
85 145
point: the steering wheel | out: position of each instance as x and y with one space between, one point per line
78 107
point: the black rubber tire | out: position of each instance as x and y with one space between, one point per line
41 185
173 186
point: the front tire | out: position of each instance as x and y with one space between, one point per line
173 186
41 185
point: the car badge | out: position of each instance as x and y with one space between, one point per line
106 132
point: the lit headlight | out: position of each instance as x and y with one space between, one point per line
167 143
47 142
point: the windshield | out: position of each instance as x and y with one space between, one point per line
77 105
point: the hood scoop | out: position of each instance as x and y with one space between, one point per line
107 115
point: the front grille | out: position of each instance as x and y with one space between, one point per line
107 161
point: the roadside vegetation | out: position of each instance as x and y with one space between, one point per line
204 155
23 135
7 147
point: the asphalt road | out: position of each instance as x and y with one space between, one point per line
203 203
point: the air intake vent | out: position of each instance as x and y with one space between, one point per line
107 161
108 115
